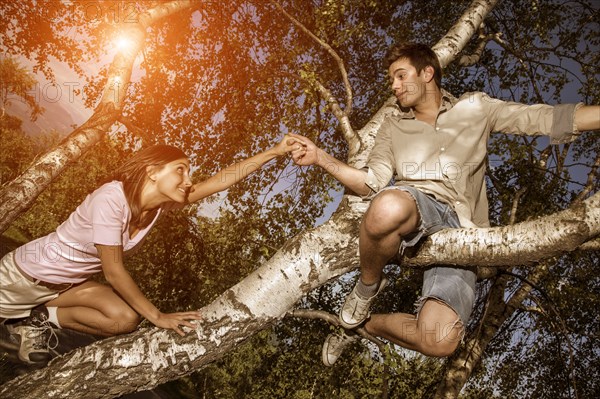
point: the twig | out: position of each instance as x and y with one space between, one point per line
330 50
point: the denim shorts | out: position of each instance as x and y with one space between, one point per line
454 287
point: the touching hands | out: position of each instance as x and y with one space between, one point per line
175 321
305 151
289 144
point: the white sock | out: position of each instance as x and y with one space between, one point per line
366 291
53 317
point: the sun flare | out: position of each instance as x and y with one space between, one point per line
123 43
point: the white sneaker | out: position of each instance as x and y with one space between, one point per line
334 346
34 335
355 309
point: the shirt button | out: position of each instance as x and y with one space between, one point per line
457 202
437 128
443 149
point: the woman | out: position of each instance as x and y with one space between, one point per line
113 220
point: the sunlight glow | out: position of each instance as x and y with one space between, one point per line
123 43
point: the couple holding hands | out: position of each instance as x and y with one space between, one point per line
434 150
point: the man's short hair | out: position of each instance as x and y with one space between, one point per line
419 55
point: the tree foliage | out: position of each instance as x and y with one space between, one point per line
224 81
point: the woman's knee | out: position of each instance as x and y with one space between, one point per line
124 317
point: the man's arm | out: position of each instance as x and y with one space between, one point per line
349 176
588 118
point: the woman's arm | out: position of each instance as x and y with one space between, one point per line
232 174
111 257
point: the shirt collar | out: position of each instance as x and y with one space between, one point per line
448 101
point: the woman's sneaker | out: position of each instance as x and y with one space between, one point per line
34 335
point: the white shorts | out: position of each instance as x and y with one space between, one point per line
18 295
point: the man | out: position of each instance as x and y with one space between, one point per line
435 149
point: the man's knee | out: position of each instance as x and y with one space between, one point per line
436 348
440 329
389 210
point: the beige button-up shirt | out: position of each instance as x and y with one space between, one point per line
448 160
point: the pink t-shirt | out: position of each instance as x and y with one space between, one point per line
69 254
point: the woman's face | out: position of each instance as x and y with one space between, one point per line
173 180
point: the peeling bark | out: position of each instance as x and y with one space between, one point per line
520 244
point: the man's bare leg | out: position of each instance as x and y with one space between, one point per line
436 332
392 214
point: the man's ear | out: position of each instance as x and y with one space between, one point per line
428 73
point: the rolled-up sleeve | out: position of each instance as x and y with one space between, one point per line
556 121
380 165
564 129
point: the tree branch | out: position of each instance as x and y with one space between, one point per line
473 58
462 31
18 196
329 49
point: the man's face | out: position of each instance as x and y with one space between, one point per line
408 86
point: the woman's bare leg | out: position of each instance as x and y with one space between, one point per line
94 308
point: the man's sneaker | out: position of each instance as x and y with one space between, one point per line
34 335
334 346
355 309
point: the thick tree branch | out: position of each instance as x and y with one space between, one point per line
523 243
463 30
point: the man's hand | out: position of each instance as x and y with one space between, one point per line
305 152
289 144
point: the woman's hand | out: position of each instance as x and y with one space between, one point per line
305 152
290 144
174 321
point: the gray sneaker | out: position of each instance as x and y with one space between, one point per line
355 309
334 346
34 335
